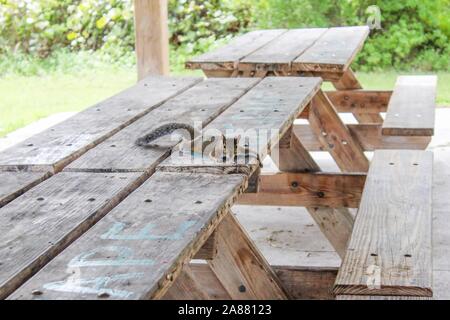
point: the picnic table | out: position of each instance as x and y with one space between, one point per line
87 214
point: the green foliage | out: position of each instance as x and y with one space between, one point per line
414 34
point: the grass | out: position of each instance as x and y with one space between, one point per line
25 99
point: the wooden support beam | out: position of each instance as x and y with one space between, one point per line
300 282
361 101
319 189
186 287
367 135
152 37
240 267
335 137
209 249
348 81
336 224
390 249
368 117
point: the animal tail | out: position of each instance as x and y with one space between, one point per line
164 130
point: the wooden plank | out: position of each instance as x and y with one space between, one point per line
390 249
228 56
271 58
335 137
348 81
209 248
368 136
152 37
359 101
186 287
54 148
368 118
40 224
336 224
334 51
14 184
197 106
300 282
259 118
240 267
412 107
319 189
142 244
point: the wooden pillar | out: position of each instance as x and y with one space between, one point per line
152 37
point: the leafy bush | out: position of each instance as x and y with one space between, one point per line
415 33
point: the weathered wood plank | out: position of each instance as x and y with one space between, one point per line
142 244
390 249
336 224
54 148
412 107
240 267
209 248
186 287
362 101
367 135
197 106
356 297
300 282
307 190
348 81
41 223
368 118
14 184
260 118
271 58
335 137
228 56
334 51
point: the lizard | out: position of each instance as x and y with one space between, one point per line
214 149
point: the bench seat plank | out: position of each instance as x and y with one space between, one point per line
260 117
14 184
54 148
412 107
39 224
200 104
140 247
390 248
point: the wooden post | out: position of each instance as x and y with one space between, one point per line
152 37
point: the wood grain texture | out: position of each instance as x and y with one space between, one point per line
307 190
348 81
186 287
14 184
138 250
303 283
197 106
40 224
240 267
359 101
336 224
335 137
209 249
228 56
334 51
260 118
152 37
367 135
390 249
412 107
271 58
355 297
54 148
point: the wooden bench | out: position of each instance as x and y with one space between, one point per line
389 253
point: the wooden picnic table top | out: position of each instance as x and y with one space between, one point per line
88 171
330 50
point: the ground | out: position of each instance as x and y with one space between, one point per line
27 99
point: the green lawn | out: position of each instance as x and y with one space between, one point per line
27 99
